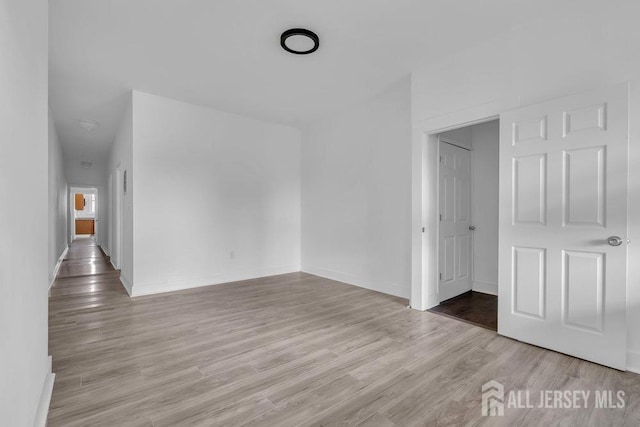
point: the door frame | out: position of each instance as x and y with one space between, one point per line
425 195
117 215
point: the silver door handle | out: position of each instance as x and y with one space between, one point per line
614 241
472 227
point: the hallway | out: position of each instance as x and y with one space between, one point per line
85 285
84 258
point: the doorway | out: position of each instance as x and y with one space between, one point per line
563 221
84 212
468 186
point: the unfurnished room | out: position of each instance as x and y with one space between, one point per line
331 213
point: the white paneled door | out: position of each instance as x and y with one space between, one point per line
563 225
455 217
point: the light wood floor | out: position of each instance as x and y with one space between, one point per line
289 350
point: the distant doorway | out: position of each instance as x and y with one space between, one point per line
84 208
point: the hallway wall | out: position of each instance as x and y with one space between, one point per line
216 196
121 160
25 371
58 201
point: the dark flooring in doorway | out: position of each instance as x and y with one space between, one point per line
471 307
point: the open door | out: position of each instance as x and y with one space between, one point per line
563 225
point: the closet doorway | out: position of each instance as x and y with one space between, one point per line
468 188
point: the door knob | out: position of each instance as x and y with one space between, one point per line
472 227
614 241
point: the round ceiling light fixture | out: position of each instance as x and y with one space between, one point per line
88 125
299 41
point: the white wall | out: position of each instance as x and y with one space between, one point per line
121 160
356 181
485 142
89 177
58 199
216 196
24 262
570 52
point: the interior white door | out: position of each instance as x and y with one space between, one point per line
455 219
563 206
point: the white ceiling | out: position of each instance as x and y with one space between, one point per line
226 54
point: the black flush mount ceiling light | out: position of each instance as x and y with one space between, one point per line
299 41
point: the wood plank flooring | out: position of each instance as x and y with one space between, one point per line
474 307
289 350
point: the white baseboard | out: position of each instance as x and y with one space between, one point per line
56 269
485 288
633 361
126 283
351 280
189 283
45 398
